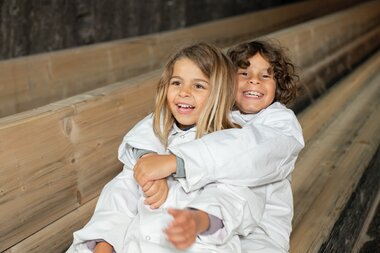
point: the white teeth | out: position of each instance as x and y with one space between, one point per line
185 106
253 93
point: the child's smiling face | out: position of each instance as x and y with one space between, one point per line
256 87
188 92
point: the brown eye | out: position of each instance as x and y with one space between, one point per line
175 83
199 86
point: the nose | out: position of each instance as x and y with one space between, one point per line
254 80
184 91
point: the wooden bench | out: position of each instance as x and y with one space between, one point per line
341 133
30 82
55 159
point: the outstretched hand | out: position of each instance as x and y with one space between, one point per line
153 166
185 227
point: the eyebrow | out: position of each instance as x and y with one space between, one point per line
196 79
269 70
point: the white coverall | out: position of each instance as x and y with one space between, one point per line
262 153
122 219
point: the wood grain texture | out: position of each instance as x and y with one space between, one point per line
331 165
62 155
29 82
61 230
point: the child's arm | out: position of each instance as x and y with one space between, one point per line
262 152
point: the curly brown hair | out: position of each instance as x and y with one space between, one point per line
283 69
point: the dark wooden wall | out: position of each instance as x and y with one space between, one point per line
36 26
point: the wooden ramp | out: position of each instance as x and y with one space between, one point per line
55 159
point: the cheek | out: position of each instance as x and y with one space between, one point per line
170 94
202 100
273 89
240 82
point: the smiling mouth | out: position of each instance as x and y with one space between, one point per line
185 107
254 94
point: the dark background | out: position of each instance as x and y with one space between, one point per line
36 26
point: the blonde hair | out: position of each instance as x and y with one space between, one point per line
222 77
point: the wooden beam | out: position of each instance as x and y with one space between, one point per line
61 230
313 119
345 172
57 157
29 82
317 79
331 165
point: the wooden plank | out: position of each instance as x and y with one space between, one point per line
63 156
316 79
315 159
320 56
60 229
31 166
345 172
312 41
331 165
313 119
350 230
99 128
29 82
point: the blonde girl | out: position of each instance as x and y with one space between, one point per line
194 97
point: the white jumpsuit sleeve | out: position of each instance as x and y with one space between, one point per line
240 208
263 151
115 209
141 136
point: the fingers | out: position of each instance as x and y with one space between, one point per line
157 193
182 231
155 203
147 187
181 240
152 200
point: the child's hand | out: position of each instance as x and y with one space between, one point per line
103 247
152 167
185 227
156 192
